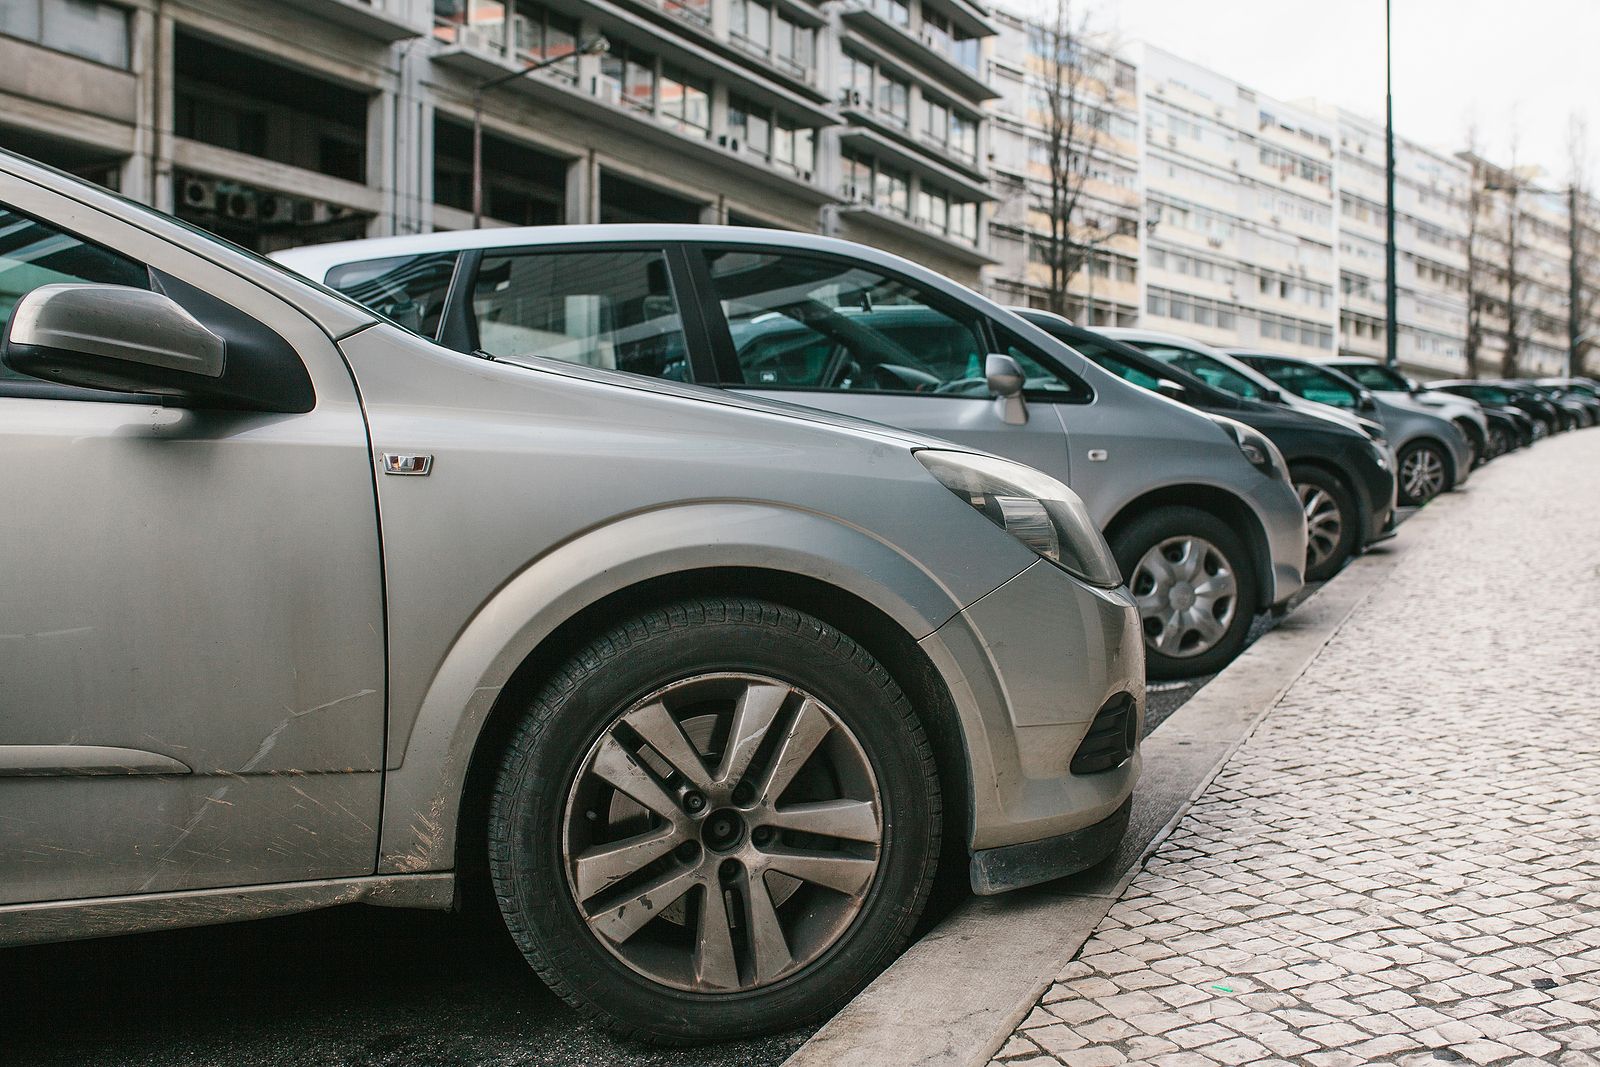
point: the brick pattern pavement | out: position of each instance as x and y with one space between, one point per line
1402 864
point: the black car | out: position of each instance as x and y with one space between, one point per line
1345 480
1504 433
1580 391
1546 417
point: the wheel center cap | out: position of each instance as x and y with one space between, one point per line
1182 596
723 830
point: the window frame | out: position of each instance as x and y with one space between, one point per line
460 326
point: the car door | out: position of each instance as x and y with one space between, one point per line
191 662
829 332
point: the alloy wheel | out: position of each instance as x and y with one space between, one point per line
1422 474
1187 595
1324 523
722 833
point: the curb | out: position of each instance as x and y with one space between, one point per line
956 996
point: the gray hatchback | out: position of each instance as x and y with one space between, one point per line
302 609
1199 511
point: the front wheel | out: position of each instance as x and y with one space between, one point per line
1195 587
718 820
1331 521
1424 473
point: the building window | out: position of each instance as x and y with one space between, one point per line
896 11
685 103
83 28
756 130
631 75
894 100
892 190
542 35
759 29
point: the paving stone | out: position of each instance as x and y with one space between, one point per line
1406 843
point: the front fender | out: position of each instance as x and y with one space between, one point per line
428 765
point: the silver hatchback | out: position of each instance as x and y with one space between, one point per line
302 609
1199 512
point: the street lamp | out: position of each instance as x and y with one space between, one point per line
1391 287
594 46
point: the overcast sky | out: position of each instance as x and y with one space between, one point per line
1523 66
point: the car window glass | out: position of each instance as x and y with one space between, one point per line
1309 382
1378 379
33 253
1042 381
408 289
1106 358
613 310
1213 372
807 322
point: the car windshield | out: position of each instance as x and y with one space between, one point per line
1305 380
1378 379
1208 369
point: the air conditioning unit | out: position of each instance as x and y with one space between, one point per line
850 98
1214 242
199 194
805 175
274 208
855 195
477 39
607 91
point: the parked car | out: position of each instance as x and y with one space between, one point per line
1358 497
1546 417
1202 520
1578 411
1579 390
1510 427
1434 456
309 610
1327 459
1387 384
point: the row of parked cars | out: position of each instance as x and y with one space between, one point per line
697 591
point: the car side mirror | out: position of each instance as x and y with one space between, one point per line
1367 403
114 338
1172 390
1005 378
1272 396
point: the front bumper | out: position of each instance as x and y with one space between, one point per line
999 870
1283 518
1029 667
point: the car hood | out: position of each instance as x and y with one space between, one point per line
729 398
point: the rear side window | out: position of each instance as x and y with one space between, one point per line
614 310
1312 383
411 290
1213 372
33 253
1102 355
1375 378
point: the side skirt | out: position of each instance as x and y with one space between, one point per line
76 920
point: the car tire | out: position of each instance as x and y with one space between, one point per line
749 947
1424 473
1499 442
1172 557
1331 521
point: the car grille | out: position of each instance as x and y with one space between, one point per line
1111 739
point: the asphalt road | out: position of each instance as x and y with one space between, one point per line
349 987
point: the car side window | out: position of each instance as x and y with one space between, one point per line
1105 358
614 310
34 253
1214 373
410 290
816 322
1310 383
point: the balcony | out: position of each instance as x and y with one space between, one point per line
384 20
970 84
904 154
860 110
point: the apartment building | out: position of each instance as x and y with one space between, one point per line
1107 213
311 120
1432 195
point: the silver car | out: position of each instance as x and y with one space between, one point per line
1200 513
1433 454
1387 384
302 609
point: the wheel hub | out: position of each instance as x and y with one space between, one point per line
723 830
1187 595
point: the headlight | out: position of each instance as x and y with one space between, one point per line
1032 507
1262 453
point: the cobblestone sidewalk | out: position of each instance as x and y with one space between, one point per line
1402 864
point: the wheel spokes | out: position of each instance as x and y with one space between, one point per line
805 733
852 820
617 766
758 707
655 724
715 966
768 944
832 870
603 866
622 921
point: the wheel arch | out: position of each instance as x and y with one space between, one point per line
1222 505
1357 494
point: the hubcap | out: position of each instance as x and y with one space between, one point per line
722 833
1422 474
1324 523
1187 596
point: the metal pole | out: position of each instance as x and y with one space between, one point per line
1574 281
1391 282
477 158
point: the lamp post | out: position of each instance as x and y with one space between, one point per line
1391 287
594 46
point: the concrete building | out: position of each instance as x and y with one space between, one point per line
1106 290
309 120
1432 193
1239 197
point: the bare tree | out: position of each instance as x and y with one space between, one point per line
1584 268
1477 298
1510 183
1060 38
